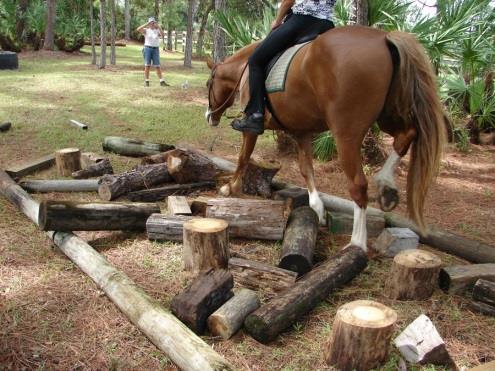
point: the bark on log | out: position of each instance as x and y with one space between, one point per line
261 276
299 240
361 335
414 275
166 228
297 196
30 167
90 158
484 291
184 348
208 292
159 158
68 160
158 194
421 343
282 311
78 125
258 177
188 167
98 169
340 223
5 126
228 319
206 244
46 186
88 216
248 218
178 205
133 147
113 186
460 278
483 308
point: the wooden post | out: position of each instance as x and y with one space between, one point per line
414 275
460 278
94 216
68 160
100 168
297 196
206 244
258 177
133 147
187 166
299 240
361 336
228 319
177 205
47 186
283 310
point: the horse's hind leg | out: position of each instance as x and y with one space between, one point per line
305 152
388 195
234 187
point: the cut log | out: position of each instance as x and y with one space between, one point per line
113 186
98 169
94 216
5 126
46 186
133 147
392 241
282 311
460 278
68 160
361 334
158 194
208 292
297 196
484 291
483 308
28 168
340 223
166 228
184 348
258 177
228 319
206 244
261 276
414 275
299 240
188 167
259 219
89 158
421 343
159 158
78 125
177 205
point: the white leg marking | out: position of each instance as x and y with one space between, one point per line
317 205
386 175
225 190
359 233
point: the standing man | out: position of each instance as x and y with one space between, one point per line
151 51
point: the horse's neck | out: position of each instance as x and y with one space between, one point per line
238 61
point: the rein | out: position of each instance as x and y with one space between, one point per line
210 88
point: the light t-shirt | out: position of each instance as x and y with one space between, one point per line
322 9
151 37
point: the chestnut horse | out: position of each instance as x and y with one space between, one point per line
345 80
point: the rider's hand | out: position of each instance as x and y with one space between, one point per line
275 24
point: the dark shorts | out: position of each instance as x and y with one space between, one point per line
151 56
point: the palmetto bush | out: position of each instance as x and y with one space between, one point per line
8 37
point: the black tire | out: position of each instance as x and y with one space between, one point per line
8 61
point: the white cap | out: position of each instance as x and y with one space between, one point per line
151 19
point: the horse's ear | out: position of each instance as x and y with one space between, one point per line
210 63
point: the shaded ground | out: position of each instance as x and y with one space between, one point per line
52 316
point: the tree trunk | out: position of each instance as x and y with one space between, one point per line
103 36
68 160
31 167
228 319
219 34
50 25
258 177
161 227
282 311
98 169
133 147
48 186
157 10
461 278
361 334
414 275
202 28
206 244
158 194
21 20
94 216
191 10
127 20
361 7
113 57
208 292
93 37
188 166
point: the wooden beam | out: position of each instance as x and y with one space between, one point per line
177 205
63 185
133 147
158 194
30 167
460 278
166 227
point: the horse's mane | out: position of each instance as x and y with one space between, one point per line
242 54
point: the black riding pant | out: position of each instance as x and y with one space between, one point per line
294 28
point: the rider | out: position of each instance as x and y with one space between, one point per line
295 19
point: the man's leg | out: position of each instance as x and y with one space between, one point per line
147 75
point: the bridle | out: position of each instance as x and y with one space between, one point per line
210 89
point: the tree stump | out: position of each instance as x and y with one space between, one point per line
100 168
206 244
68 160
361 336
188 166
258 177
414 275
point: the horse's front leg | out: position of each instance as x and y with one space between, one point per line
234 186
305 151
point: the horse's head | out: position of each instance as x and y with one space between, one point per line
221 91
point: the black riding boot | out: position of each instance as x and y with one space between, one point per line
253 123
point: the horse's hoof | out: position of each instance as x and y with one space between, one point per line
389 198
225 190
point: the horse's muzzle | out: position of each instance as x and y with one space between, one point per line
209 118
